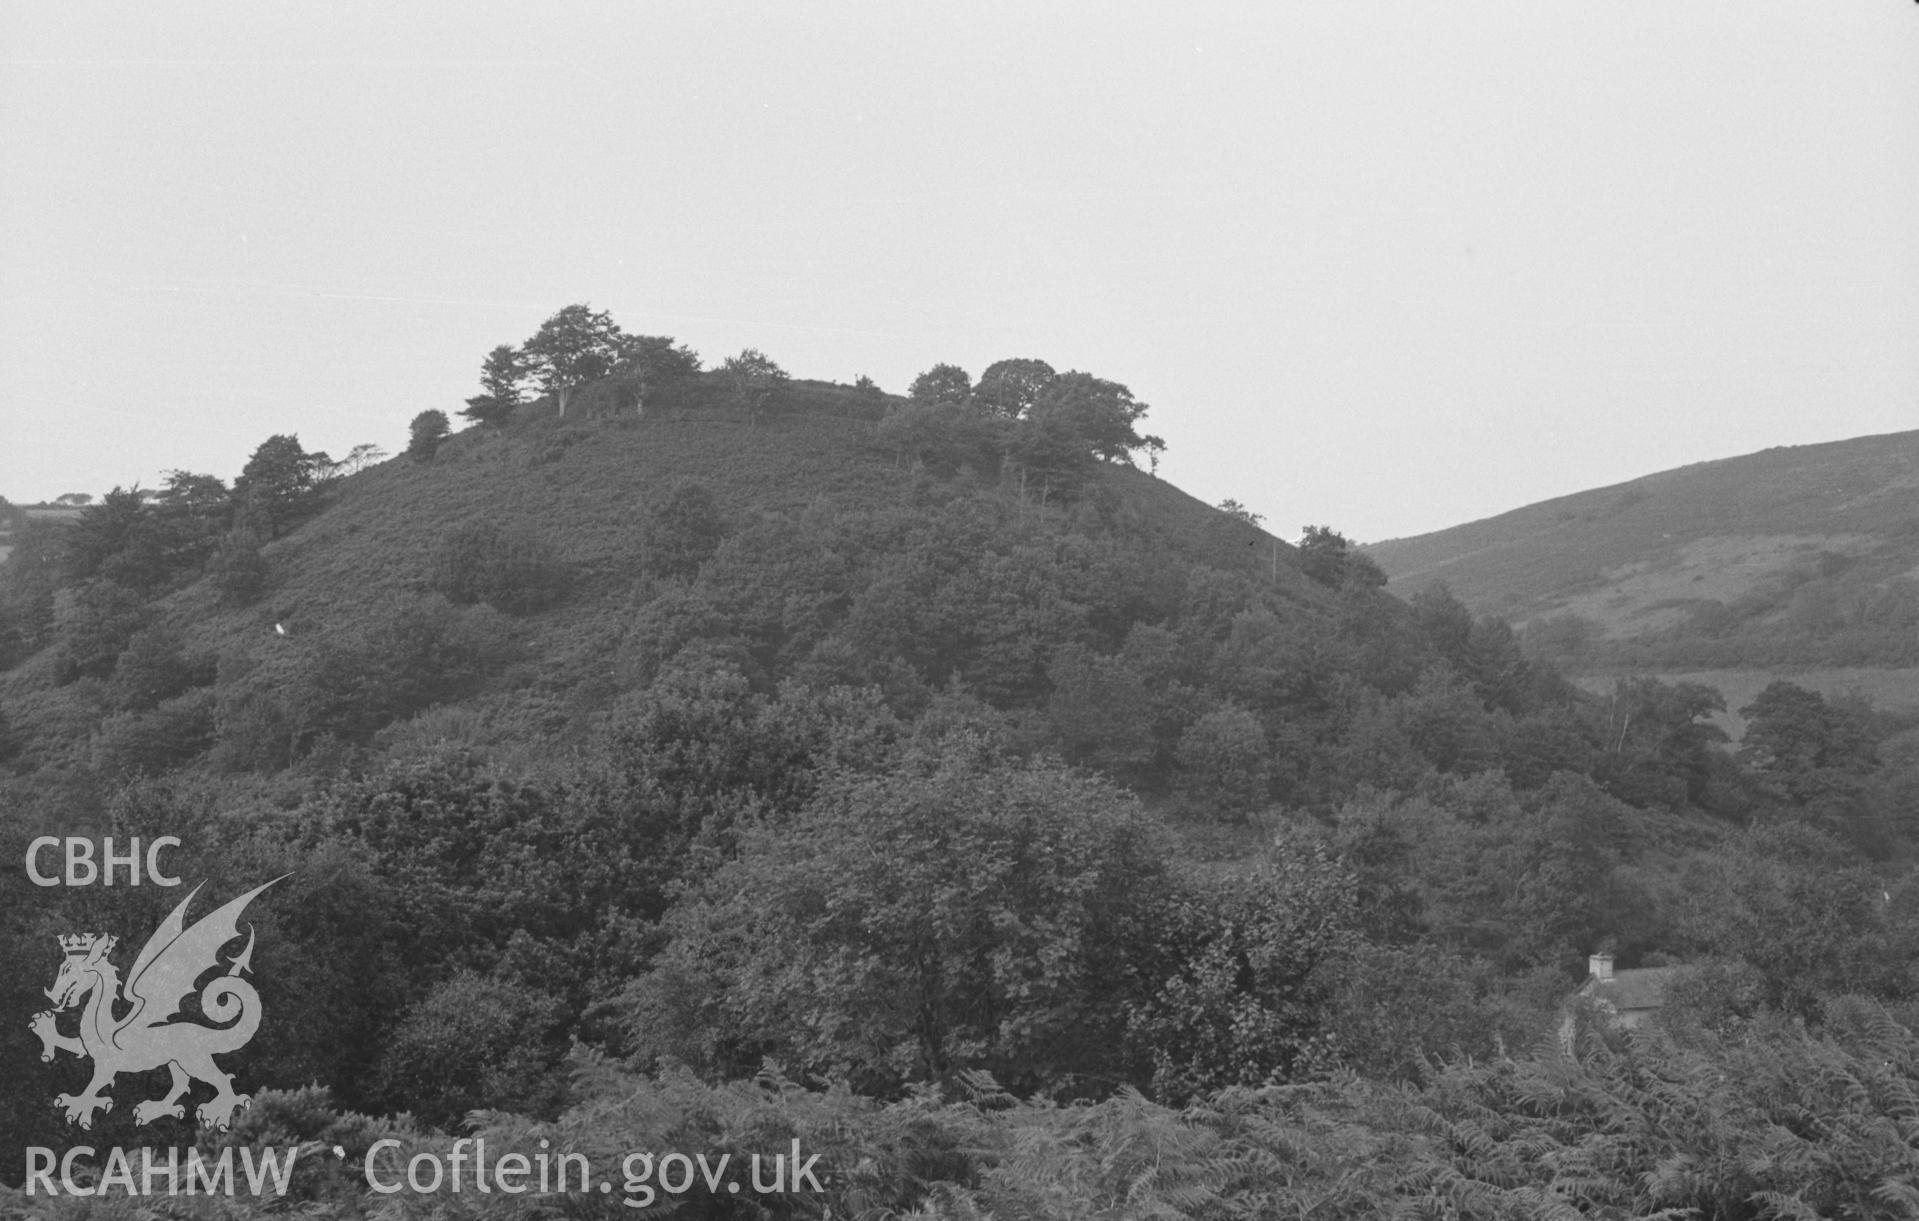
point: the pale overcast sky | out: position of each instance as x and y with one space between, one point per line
1387 266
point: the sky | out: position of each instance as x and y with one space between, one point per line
1386 267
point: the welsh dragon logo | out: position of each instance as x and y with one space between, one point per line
145 1036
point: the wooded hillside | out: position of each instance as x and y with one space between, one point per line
1023 812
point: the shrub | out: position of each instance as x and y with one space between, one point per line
152 741
154 668
310 1115
1226 762
239 570
253 728
94 630
475 1042
682 531
424 435
508 568
1256 959
419 654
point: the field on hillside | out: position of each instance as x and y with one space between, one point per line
1529 560
1800 558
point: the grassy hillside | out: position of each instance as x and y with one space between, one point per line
1796 556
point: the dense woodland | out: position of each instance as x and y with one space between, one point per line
687 758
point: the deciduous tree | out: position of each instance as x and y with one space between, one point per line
360 457
277 484
681 531
941 384
753 379
1327 556
1011 387
116 538
575 345
1656 744
961 913
1102 413
424 435
1252 974
647 363
1239 512
239 570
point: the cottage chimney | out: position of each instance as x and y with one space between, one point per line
1601 966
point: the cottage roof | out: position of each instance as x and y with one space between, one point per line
1639 988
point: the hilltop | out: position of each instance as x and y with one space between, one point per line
1792 557
762 534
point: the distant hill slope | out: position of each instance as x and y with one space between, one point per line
1791 556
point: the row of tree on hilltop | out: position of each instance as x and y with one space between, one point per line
1023 419
1023 422
578 345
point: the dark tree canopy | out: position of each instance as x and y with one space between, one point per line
1103 413
1327 556
1011 387
965 913
943 437
1052 458
276 483
118 532
648 362
1791 731
659 356
753 379
509 567
1239 512
1658 741
942 384
200 497
575 345
500 377
239 571
681 531
428 429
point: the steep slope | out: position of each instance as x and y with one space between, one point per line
587 486
1796 555
816 510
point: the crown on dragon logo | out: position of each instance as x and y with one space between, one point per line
82 943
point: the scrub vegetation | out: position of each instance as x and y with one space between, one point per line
701 759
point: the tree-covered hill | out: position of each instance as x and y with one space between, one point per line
692 720
599 514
